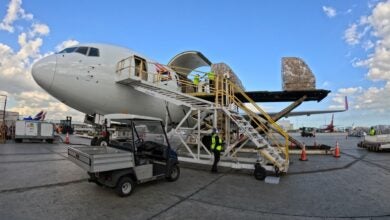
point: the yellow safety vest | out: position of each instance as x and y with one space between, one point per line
372 132
213 143
196 80
211 75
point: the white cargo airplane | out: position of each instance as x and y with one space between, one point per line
83 77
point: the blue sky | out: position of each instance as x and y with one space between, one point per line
251 36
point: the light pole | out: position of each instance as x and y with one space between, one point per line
5 105
2 128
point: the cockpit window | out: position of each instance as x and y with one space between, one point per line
68 50
93 52
82 50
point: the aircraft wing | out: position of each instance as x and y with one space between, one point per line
308 113
276 96
314 112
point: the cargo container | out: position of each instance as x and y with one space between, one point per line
34 130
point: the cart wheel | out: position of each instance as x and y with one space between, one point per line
125 186
260 173
174 173
50 141
102 142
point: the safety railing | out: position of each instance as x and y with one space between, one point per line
225 95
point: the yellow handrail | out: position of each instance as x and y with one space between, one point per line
228 93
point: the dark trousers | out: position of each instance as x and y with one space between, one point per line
216 160
211 85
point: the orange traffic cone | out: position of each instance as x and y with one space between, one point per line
337 150
67 138
303 154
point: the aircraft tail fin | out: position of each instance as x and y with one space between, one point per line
38 117
331 122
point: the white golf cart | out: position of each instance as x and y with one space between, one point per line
144 154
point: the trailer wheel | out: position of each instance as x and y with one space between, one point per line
93 141
260 173
125 186
174 173
17 140
98 183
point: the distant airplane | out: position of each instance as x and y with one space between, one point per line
329 127
85 77
38 117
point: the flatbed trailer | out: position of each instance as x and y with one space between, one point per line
376 142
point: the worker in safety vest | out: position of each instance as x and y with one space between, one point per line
196 82
216 147
372 131
211 78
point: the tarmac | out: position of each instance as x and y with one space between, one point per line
38 182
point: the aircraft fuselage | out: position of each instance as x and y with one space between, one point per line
86 81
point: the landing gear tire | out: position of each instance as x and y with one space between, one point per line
260 173
277 171
125 187
174 173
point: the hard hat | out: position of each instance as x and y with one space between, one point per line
214 130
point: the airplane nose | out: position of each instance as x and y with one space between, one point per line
43 71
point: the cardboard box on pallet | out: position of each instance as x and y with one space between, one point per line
222 68
296 75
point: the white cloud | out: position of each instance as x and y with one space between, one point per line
329 11
39 29
65 44
14 12
31 102
374 99
349 91
351 35
15 67
367 45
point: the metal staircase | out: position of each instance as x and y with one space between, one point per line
265 127
267 150
262 135
175 97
